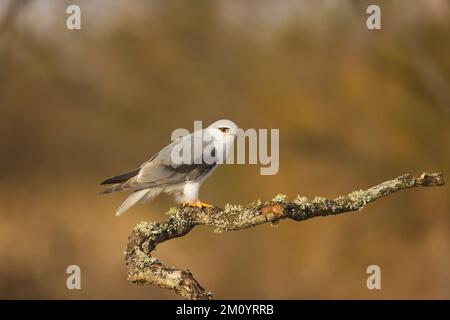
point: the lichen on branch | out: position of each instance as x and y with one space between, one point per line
143 268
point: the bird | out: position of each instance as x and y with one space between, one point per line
174 170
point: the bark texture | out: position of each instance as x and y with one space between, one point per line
143 268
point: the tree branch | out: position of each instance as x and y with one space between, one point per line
143 268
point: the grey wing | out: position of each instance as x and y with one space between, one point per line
161 170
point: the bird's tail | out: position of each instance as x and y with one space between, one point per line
142 196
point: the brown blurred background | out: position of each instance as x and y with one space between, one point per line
355 107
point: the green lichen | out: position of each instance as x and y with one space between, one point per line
256 203
246 215
229 210
235 216
143 228
358 199
218 230
319 200
142 260
232 209
301 202
280 198
172 211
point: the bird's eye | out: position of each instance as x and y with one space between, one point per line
224 129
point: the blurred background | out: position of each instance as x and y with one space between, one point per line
354 107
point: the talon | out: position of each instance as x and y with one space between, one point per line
198 204
206 205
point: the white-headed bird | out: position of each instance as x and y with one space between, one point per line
179 169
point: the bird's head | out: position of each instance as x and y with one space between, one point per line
224 128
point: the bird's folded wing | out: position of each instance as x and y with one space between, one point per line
162 169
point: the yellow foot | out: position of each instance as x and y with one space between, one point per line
198 204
